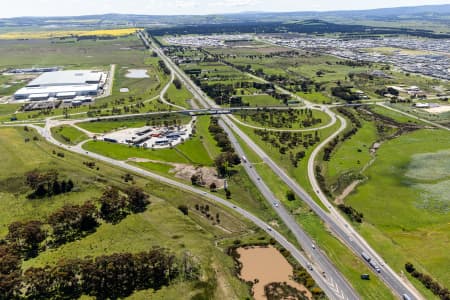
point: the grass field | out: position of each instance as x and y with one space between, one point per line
68 135
135 122
178 97
350 266
260 100
190 152
7 109
209 143
405 202
300 174
10 83
393 115
19 157
315 97
161 224
352 155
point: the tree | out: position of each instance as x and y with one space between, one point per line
70 222
290 195
137 199
39 283
184 209
409 267
69 185
56 188
177 83
196 179
213 187
112 206
10 272
26 237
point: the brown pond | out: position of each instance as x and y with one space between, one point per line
267 265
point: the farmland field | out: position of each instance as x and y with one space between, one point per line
405 202
71 53
68 33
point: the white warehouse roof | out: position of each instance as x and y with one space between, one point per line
54 90
61 78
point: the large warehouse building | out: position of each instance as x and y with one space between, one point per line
62 85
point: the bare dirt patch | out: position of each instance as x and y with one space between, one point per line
346 192
207 175
438 110
266 265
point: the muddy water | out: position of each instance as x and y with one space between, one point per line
267 265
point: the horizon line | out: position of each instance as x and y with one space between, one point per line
222 14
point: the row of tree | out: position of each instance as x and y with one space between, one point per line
105 277
228 157
442 292
285 119
47 184
164 67
352 213
72 222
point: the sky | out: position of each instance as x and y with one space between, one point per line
16 8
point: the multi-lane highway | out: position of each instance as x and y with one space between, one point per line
332 290
335 280
322 270
333 219
319 262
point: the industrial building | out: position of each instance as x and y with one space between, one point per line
61 85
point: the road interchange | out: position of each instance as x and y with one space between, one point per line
333 219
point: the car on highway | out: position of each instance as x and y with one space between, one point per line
406 297
313 246
309 266
268 228
276 204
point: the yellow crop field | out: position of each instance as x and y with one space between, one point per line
66 33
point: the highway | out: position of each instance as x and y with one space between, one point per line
336 281
330 289
333 219
319 261
311 258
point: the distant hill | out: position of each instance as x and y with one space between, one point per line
439 14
